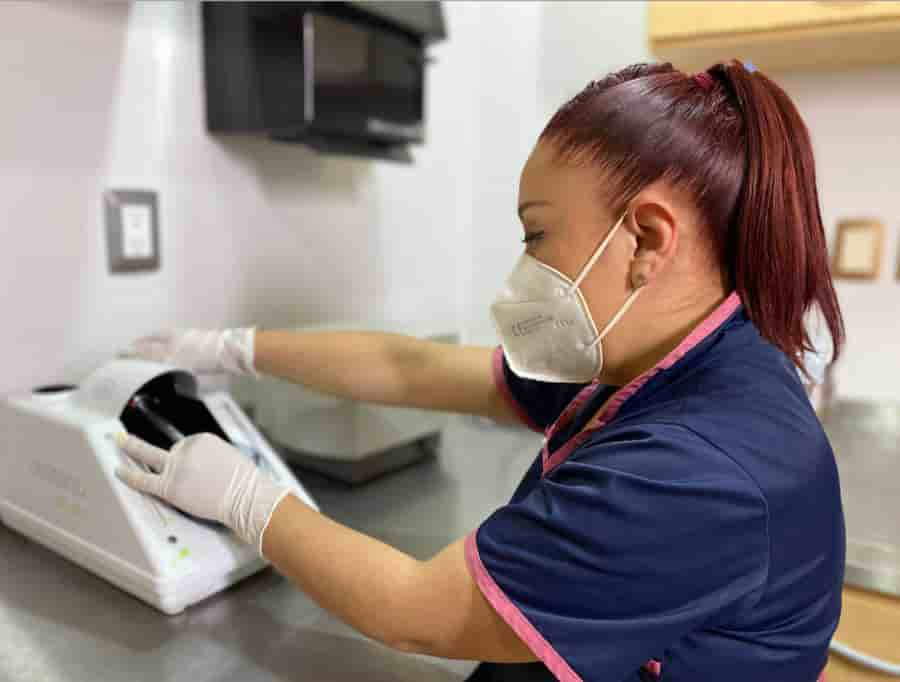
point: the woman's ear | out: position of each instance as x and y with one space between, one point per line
653 226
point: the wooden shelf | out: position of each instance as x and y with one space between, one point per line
776 36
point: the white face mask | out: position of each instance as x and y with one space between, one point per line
545 325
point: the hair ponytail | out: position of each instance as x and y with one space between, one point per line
734 140
776 246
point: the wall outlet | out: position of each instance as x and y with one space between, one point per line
132 230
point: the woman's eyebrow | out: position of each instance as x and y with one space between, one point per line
529 204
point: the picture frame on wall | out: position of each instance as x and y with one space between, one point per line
858 245
898 263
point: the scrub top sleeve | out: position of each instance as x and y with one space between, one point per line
623 549
537 403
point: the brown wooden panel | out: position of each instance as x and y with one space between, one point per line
672 21
870 623
694 35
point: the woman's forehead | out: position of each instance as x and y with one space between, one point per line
545 178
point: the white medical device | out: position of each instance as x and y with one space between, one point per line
58 484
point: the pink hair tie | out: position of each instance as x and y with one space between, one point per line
704 80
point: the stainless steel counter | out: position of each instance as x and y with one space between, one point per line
866 441
60 623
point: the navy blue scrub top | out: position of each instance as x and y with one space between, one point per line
692 532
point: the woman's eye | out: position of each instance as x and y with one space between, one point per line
532 236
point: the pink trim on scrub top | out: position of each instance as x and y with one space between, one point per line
510 613
704 329
500 381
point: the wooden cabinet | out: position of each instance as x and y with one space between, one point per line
775 35
869 623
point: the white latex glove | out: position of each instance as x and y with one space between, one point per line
816 361
200 350
206 477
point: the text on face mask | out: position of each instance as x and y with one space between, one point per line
535 322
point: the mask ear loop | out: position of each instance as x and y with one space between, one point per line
615 318
628 301
597 253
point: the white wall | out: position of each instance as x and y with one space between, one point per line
583 41
506 99
852 117
111 95
259 232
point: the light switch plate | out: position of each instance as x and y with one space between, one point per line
132 230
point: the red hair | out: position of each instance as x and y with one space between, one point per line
735 142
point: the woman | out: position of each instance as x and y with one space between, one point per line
683 518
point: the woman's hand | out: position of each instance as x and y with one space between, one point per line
431 607
199 350
207 477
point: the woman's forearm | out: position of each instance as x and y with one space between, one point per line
366 366
390 369
428 607
358 579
